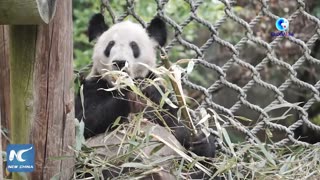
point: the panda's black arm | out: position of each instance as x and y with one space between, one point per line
102 108
199 144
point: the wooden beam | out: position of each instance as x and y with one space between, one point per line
26 11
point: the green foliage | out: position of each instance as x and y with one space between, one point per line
316 11
82 11
316 120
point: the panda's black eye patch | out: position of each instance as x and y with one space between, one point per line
135 49
108 48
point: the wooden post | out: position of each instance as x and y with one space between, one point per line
22 47
22 58
1 161
41 94
26 11
22 43
53 129
4 88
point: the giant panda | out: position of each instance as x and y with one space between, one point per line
126 46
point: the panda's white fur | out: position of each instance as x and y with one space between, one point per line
122 34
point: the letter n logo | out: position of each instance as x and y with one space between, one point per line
20 157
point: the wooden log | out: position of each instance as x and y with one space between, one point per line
4 81
112 146
26 11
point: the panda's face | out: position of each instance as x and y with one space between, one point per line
126 46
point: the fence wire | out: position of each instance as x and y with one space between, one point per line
264 120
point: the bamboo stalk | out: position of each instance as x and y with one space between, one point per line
181 102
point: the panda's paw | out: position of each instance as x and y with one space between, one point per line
153 93
136 104
203 145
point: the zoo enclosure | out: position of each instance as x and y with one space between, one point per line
241 93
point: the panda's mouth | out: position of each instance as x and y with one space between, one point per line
126 70
120 65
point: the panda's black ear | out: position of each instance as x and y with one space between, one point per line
96 26
158 31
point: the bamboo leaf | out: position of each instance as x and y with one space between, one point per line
136 165
79 128
156 149
190 67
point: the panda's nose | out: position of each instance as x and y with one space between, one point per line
119 63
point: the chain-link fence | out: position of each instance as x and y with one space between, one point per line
262 98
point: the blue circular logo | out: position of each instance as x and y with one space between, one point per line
282 24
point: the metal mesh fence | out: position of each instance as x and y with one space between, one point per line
265 116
